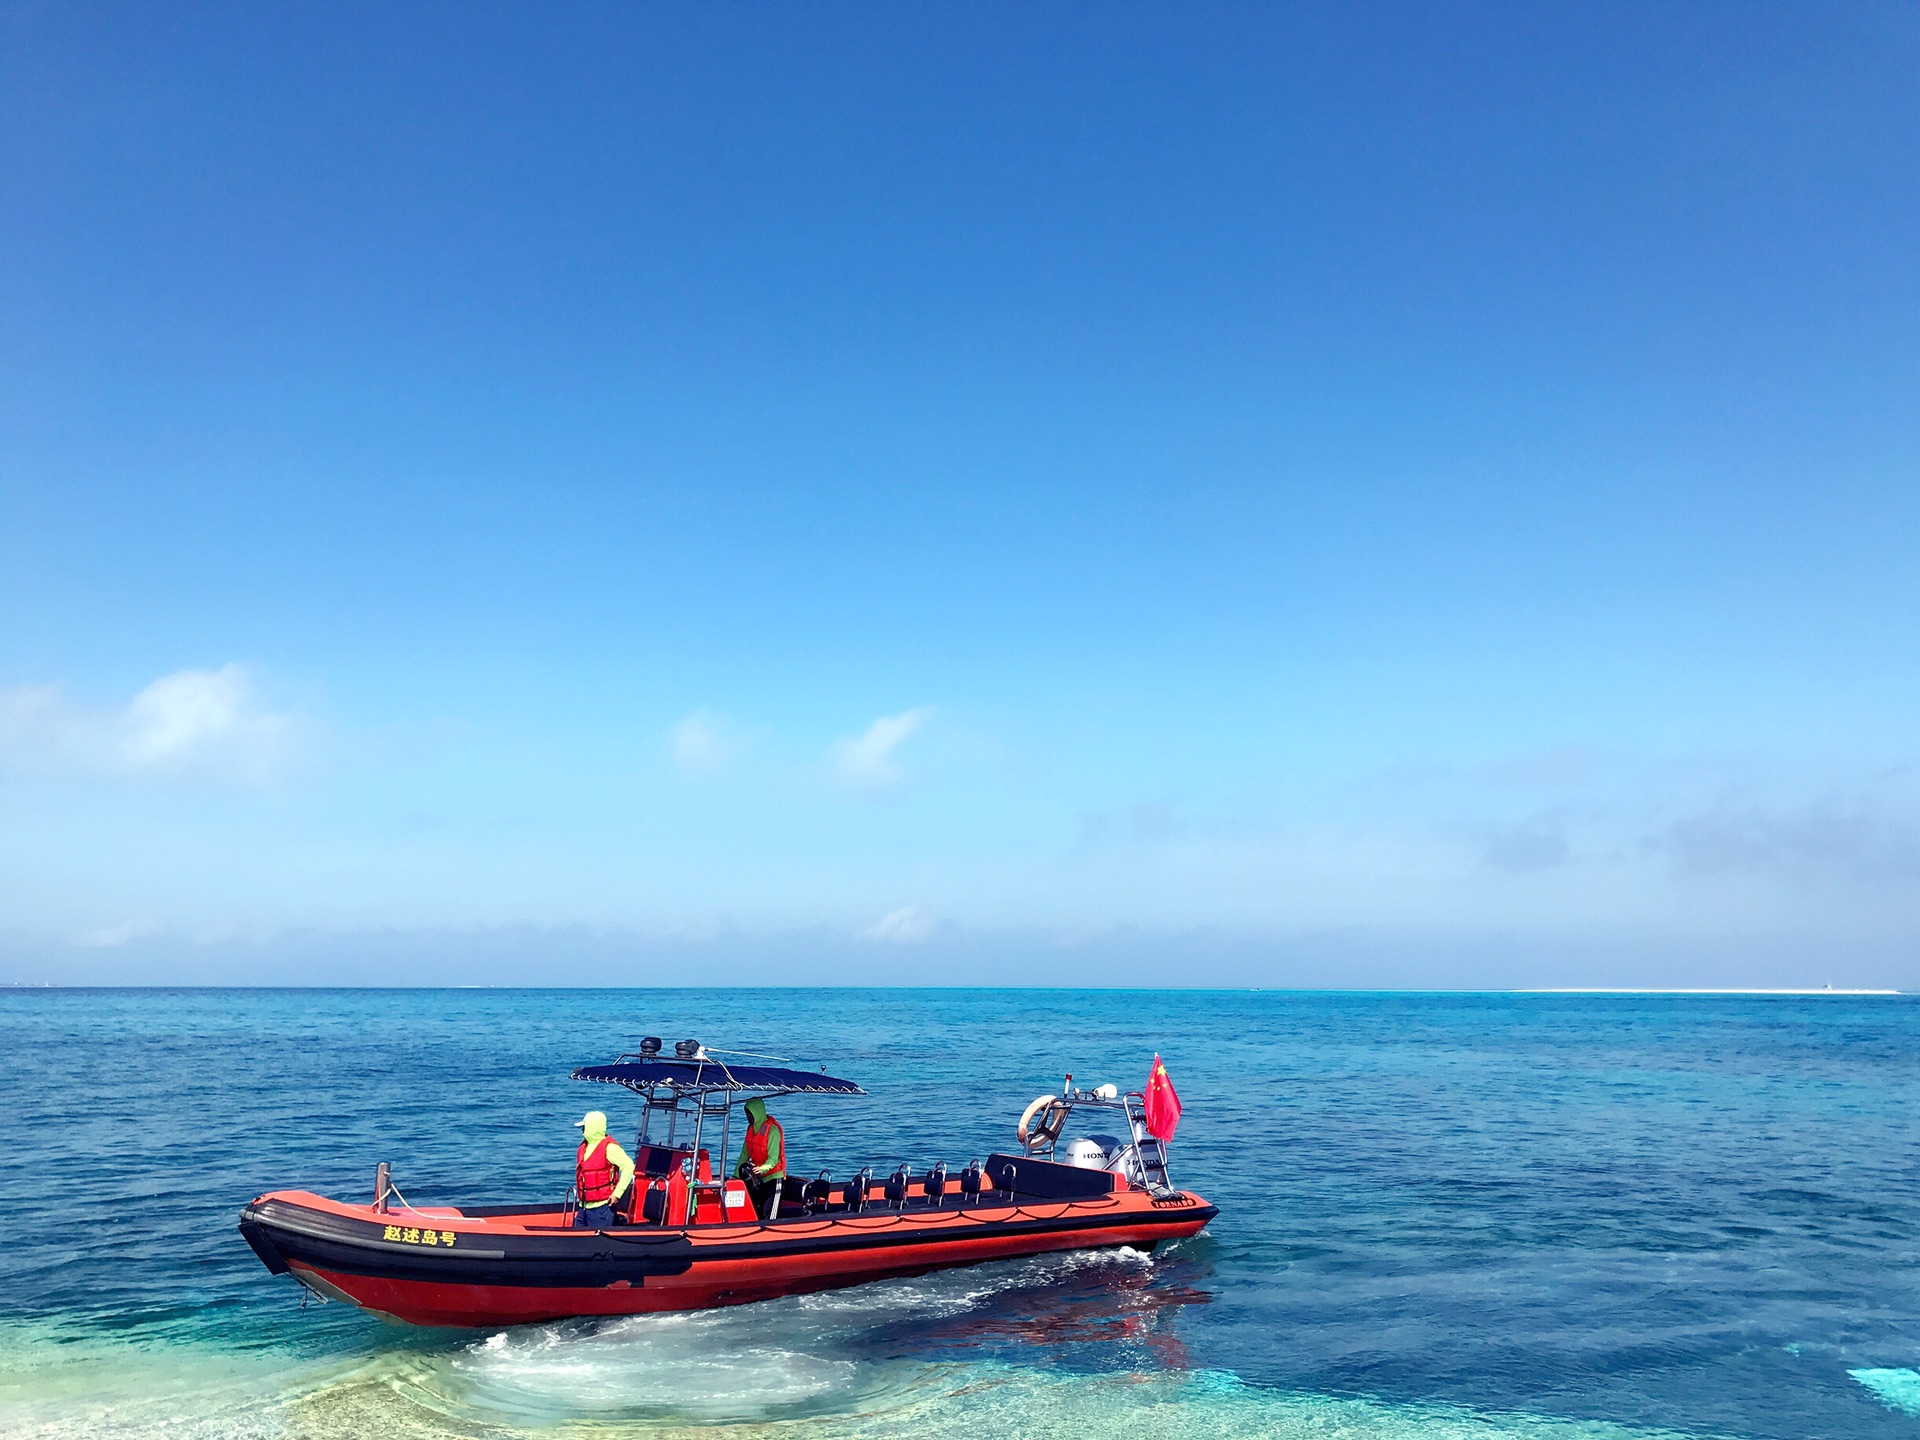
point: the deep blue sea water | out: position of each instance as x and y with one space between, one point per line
1442 1215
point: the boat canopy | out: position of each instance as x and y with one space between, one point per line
646 1074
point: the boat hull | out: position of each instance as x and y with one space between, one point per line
487 1269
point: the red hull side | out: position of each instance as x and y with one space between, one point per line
709 1283
514 1266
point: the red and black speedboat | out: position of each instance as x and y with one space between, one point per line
689 1241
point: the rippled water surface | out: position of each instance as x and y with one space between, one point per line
1442 1216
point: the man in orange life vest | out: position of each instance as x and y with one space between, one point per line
602 1173
763 1157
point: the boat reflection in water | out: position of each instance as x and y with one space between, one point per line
1103 1302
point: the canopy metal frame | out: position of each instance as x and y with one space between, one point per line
665 1087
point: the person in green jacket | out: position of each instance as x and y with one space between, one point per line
602 1173
763 1158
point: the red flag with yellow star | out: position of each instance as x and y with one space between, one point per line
1163 1103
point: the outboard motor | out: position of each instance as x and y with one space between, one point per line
1086 1153
937 1182
897 1185
819 1193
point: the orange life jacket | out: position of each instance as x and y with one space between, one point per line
593 1173
758 1148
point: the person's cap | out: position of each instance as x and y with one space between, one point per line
592 1120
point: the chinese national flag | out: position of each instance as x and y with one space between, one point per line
1163 1104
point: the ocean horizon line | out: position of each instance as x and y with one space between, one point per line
1681 990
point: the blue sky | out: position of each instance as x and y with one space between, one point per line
1293 491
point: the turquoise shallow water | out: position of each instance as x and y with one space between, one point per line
1443 1216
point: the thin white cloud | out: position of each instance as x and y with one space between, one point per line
703 743
112 937
205 724
868 761
909 925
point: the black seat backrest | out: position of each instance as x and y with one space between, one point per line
854 1192
972 1180
819 1193
653 1205
936 1182
897 1185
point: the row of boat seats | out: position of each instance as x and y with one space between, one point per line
896 1190
666 1197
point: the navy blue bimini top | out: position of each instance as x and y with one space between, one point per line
644 1074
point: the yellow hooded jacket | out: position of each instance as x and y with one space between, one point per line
616 1157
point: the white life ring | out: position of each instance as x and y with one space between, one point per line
1033 1137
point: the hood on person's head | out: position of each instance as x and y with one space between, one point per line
592 1125
757 1111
